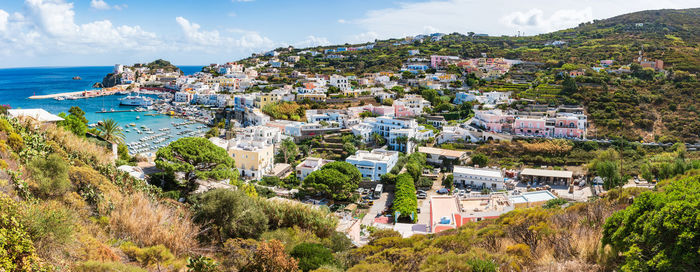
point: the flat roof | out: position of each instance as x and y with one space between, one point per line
443 206
40 115
547 173
484 172
442 152
535 196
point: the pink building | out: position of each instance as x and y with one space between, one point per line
569 126
436 60
491 120
531 126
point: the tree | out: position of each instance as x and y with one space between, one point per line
569 85
311 256
449 181
111 131
73 124
232 214
78 113
480 160
606 165
378 139
197 158
289 150
213 132
659 231
336 179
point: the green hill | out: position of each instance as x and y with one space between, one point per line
642 105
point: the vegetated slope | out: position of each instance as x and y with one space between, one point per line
642 105
633 229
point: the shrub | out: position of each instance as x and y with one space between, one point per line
51 226
658 232
138 219
311 256
95 266
50 174
17 251
232 214
15 141
5 126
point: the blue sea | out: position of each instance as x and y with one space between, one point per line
17 84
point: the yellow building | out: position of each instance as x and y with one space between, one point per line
253 158
224 82
353 92
311 96
266 98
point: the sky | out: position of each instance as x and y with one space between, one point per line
105 32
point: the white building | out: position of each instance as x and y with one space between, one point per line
455 133
480 177
259 133
185 97
309 165
118 68
415 103
340 82
374 164
398 132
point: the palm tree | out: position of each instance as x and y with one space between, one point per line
111 131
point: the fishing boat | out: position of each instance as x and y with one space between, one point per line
77 78
138 117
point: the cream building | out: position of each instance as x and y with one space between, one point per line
253 158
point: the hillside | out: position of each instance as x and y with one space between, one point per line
637 105
64 207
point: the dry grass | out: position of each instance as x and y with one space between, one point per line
137 219
84 149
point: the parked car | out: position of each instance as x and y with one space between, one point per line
421 196
418 210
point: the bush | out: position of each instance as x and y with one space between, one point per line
15 141
16 247
95 266
50 225
232 214
138 219
5 126
312 256
50 174
480 160
658 232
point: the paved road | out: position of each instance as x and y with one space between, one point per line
424 204
379 205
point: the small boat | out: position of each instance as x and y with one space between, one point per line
77 78
138 117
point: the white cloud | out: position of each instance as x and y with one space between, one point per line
311 41
535 20
199 39
369 36
48 27
99 4
342 21
3 20
232 14
496 17
102 5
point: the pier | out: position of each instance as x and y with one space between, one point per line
115 111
